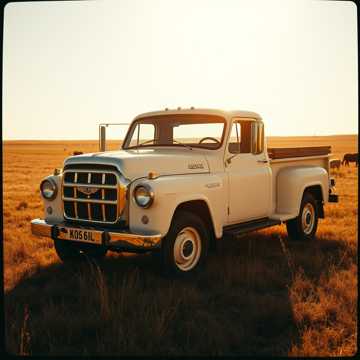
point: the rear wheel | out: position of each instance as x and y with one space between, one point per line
303 227
73 252
185 247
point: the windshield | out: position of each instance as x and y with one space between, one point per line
188 130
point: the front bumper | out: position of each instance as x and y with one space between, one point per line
118 241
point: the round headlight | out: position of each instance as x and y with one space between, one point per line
48 189
143 195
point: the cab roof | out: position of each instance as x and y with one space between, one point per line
223 113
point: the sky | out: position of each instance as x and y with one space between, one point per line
70 65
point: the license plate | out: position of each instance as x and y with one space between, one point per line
88 236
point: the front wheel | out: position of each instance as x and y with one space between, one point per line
303 227
185 247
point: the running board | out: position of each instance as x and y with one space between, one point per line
282 216
239 229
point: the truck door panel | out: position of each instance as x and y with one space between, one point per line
249 175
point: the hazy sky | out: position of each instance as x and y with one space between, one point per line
68 66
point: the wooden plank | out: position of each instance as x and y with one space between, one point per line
284 153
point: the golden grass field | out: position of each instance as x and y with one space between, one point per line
260 294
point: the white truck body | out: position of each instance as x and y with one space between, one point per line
226 189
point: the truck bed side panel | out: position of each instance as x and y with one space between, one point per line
312 162
292 182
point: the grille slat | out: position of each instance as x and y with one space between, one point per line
75 196
94 201
103 176
67 184
91 195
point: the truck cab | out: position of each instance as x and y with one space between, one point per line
182 180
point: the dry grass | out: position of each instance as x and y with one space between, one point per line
259 294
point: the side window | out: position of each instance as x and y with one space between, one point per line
246 137
234 140
257 135
240 137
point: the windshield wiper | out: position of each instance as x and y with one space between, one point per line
145 142
178 142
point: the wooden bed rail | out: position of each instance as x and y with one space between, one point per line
283 153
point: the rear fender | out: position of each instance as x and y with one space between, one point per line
292 183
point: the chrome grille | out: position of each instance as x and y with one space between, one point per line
92 195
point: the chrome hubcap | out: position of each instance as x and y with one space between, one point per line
187 248
308 218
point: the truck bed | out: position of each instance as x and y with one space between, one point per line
282 158
285 153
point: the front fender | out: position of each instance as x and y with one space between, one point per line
169 193
57 210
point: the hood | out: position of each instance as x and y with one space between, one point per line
137 163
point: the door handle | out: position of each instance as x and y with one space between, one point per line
262 161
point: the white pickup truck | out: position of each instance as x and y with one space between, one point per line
183 179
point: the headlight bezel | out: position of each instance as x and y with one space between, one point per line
150 192
54 187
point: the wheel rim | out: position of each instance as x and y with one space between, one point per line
187 248
308 218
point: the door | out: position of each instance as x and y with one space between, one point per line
249 173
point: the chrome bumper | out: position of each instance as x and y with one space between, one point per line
121 241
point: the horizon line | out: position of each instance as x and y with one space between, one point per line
283 136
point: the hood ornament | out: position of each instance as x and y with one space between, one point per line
87 190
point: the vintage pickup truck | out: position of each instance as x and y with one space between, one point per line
183 179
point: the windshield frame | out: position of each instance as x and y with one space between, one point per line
158 118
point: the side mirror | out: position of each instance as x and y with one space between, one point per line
102 138
102 134
233 148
